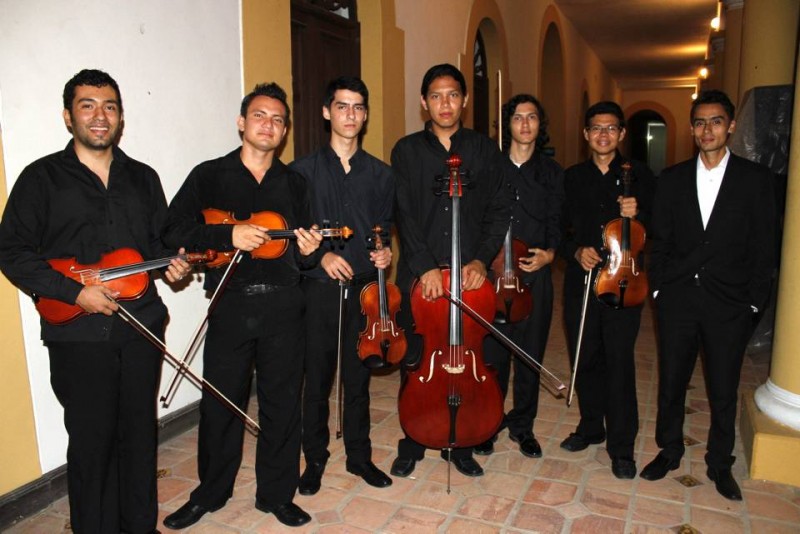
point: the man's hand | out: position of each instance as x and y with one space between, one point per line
431 283
587 257
336 267
308 241
248 237
381 258
627 206
539 258
178 268
472 275
95 299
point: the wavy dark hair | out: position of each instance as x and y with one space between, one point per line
510 107
93 77
272 90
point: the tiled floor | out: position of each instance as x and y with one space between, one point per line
561 492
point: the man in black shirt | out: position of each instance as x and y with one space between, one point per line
537 183
606 378
424 220
354 189
258 321
83 202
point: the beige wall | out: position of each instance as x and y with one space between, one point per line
19 459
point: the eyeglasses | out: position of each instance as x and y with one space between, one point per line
596 129
713 122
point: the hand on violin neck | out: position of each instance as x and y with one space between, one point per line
627 206
97 299
472 275
588 257
336 266
178 268
248 237
307 240
431 282
381 258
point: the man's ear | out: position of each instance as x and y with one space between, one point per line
423 103
326 113
732 127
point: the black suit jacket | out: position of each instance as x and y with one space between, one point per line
734 256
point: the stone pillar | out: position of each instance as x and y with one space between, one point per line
770 423
769 43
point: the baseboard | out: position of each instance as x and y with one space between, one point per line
32 498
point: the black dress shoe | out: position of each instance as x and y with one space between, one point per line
402 467
287 513
484 449
576 442
725 483
623 467
659 467
466 466
371 474
311 480
528 445
187 515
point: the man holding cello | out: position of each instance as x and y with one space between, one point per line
352 188
424 222
605 376
259 319
83 202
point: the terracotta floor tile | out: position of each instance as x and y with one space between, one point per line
772 507
368 514
408 519
714 522
658 513
433 496
469 526
592 524
604 502
488 508
536 518
765 526
550 493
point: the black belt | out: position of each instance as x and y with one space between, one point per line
260 289
355 281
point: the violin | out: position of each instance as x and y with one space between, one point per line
513 299
622 282
452 399
383 342
122 270
277 230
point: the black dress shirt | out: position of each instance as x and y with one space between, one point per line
359 200
538 189
591 202
226 184
59 208
424 219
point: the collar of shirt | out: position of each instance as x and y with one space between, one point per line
708 183
432 137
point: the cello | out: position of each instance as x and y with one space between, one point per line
622 281
382 343
452 399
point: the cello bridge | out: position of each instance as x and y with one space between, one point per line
453 369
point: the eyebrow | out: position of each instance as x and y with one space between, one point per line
709 118
110 101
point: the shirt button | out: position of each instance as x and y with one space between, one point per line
446 208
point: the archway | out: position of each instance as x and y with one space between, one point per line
647 139
552 91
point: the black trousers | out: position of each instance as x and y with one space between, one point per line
108 391
606 382
407 447
264 332
531 336
689 317
322 322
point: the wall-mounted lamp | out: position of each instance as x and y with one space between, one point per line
716 22
703 72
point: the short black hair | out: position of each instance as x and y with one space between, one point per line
272 90
510 107
346 83
714 96
440 71
605 107
93 77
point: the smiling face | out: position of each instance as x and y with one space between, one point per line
94 117
604 134
265 124
347 114
444 101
